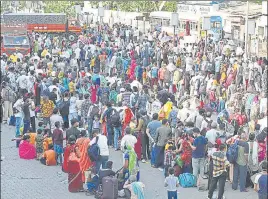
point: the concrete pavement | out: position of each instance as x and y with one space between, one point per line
29 179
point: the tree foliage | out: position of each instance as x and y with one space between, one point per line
66 7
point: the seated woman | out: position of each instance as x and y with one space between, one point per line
49 157
131 166
136 188
72 167
26 150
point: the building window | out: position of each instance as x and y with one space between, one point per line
193 26
182 25
260 30
165 22
215 24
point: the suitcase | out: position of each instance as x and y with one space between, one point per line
137 146
109 188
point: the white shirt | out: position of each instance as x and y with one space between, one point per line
127 32
102 143
263 123
77 53
55 118
128 139
22 81
211 135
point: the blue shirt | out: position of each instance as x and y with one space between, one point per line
152 126
154 72
200 143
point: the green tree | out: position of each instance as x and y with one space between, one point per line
66 7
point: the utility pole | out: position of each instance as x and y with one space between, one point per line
246 31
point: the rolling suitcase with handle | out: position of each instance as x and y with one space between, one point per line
109 188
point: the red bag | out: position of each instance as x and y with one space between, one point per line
137 146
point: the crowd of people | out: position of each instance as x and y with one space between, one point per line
195 111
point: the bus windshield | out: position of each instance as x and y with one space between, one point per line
16 41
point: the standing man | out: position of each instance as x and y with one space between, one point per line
47 107
163 134
219 172
8 97
240 167
101 141
199 152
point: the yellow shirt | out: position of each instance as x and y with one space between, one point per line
71 87
13 58
44 53
92 62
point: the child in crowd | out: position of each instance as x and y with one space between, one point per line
32 136
172 182
57 138
49 157
47 139
40 126
96 123
169 157
93 181
39 139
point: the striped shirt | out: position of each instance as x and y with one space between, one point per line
171 183
219 163
126 98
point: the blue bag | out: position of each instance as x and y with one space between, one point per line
153 156
187 180
94 151
232 153
12 121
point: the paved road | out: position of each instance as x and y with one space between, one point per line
22 179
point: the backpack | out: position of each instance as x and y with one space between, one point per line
94 151
136 97
187 180
115 118
11 95
94 111
232 152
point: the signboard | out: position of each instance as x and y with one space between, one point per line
174 20
206 23
251 27
203 33
264 7
194 9
236 34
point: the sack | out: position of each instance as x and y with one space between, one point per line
202 184
94 151
94 111
109 188
115 119
232 153
187 180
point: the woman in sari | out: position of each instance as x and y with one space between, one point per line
72 167
84 161
131 166
27 151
